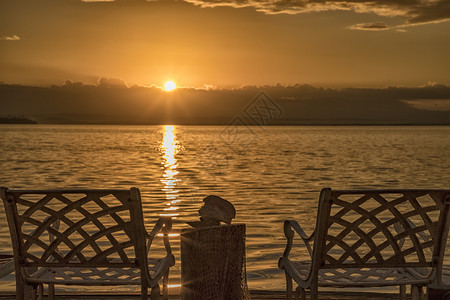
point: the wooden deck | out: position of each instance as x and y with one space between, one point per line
255 295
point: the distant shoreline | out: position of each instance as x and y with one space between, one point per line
16 120
32 122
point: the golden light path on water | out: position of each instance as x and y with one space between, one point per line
169 148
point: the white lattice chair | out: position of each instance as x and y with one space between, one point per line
83 237
371 238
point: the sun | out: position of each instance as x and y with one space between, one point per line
170 85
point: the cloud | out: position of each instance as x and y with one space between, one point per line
10 38
414 12
111 82
370 26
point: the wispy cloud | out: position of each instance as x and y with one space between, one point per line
370 26
10 38
414 12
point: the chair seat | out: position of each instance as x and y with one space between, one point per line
358 277
94 275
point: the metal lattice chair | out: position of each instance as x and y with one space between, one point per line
371 238
83 237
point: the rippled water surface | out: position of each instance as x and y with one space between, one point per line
270 174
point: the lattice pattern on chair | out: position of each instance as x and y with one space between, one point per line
88 276
382 228
93 275
362 276
75 227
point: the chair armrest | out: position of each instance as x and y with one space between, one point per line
163 224
6 265
399 229
289 234
53 231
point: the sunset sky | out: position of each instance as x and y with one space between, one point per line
226 44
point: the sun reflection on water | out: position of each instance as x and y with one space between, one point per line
169 148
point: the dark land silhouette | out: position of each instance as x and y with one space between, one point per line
16 120
76 103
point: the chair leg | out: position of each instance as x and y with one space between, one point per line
144 293
402 292
51 291
40 291
288 287
314 292
28 292
417 292
166 286
414 292
297 293
302 294
21 287
155 293
421 292
33 292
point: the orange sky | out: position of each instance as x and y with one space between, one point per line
197 43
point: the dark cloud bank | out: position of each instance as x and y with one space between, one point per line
414 12
113 103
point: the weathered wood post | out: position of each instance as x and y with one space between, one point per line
213 263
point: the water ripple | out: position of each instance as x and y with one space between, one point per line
276 176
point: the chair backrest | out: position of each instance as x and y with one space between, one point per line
381 228
78 228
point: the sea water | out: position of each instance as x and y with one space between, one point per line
269 173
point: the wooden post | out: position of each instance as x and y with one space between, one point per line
213 263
